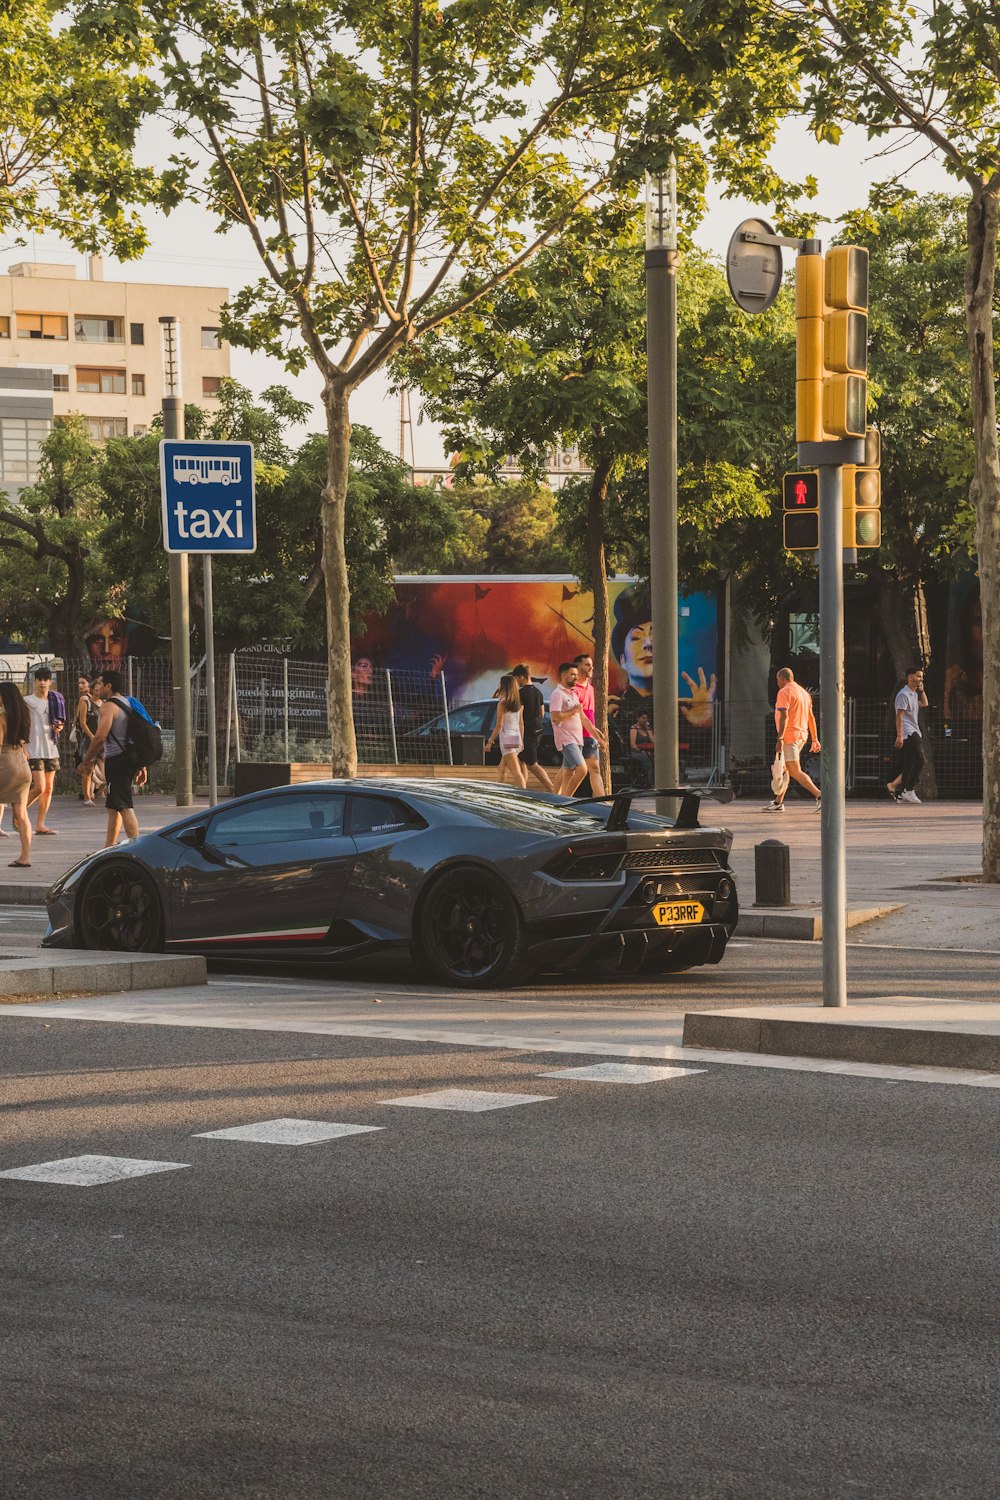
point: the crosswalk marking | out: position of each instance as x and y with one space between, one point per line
92 1171
286 1132
614 1072
475 1101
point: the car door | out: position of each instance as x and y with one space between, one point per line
389 870
270 875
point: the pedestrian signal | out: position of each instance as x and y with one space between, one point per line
800 502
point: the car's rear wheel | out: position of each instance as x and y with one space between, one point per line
120 910
470 931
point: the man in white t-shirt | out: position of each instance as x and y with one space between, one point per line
909 744
43 747
566 713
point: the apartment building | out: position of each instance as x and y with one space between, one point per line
87 345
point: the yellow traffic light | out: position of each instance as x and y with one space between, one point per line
845 354
810 312
862 497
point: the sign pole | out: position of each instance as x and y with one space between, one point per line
213 759
180 636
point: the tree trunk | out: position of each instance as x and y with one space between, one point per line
980 277
898 613
338 594
597 562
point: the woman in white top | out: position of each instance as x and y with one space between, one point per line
510 729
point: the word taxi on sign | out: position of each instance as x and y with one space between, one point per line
209 502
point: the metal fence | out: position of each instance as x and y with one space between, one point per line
274 708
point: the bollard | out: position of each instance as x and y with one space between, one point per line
772 874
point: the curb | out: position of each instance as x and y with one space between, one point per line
840 1041
22 895
776 922
70 971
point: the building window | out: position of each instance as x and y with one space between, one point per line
140 429
210 338
21 440
42 326
102 428
99 330
60 382
210 385
100 382
4 328
136 333
138 385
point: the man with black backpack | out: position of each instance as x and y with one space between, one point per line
129 741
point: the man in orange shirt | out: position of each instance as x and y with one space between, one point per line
795 722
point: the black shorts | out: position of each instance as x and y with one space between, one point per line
530 752
120 774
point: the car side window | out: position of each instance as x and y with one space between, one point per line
466 720
380 815
279 820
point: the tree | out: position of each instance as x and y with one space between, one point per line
393 164
499 526
71 101
52 574
930 72
561 360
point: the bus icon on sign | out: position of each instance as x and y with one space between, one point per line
196 468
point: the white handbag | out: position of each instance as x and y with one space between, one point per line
779 775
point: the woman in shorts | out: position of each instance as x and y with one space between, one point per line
509 730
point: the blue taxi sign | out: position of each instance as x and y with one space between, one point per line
209 503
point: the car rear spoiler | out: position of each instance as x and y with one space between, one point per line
691 797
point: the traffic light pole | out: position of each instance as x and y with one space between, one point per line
833 853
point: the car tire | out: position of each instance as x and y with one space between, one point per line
120 911
470 933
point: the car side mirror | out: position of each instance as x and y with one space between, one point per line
193 838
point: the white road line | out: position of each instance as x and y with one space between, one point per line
286 1132
620 1073
91 1171
472 1101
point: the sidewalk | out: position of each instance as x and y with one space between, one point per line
895 854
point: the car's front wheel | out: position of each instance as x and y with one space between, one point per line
120 910
470 931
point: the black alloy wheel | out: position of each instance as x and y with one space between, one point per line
120 910
471 934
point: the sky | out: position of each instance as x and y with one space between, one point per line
185 250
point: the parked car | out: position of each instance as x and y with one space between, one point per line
476 718
482 884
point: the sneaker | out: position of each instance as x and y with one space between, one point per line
909 797
893 792
774 807
818 800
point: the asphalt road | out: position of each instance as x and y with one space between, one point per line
733 1283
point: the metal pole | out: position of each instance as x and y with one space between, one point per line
447 721
213 748
284 680
236 711
392 717
661 396
229 716
130 690
180 636
831 709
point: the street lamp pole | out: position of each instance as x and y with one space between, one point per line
180 604
661 388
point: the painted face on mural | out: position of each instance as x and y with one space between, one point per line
637 657
107 642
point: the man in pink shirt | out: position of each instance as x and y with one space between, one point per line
795 723
584 689
566 713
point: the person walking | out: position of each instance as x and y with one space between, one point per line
795 723
534 717
566 713
584 690
642 744
510 731
15 773
909 748
43 744
111 741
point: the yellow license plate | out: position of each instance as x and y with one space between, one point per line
677 913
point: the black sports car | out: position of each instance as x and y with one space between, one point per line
482 883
